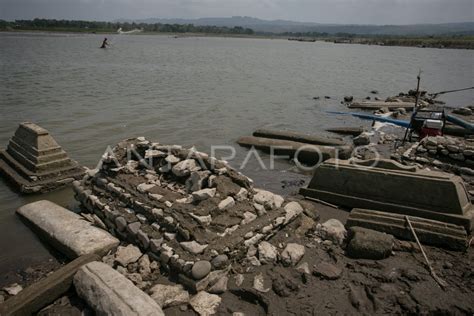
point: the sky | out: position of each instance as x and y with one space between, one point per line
321 11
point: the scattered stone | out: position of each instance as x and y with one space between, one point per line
145 187
13 289
292 210
292 254
369 244
220 286
143 239
268 199
220 261
155 245
172 159
204 194
333 230
239 279
205 304
362 140
133 228
201 269
184 168
259 283
169 295
303 268
127 255
144 265
204 220
327 271
193 247
121 223
226 203
267 253
248 218
243 194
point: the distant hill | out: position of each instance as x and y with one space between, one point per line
282 26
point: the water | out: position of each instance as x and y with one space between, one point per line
190 91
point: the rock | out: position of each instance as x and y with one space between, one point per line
201 269
144 265
292 210
133 228
169 295
268 199
145 187
155 245
267 253
220 286
143 239
463 111
362 140
203 220
369 244
193 247
303 268
108 292
333 230
121 223
348 98
452 148
66 230
243 194
458 156
239 279
127 255
172 159
219 261
292 254
13 289
374 92
327 271
260 209
305 224
259 283
205 304
248 218
196 181
226 203
204 194
184 168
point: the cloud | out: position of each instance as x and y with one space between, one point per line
323 11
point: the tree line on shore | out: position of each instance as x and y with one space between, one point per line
95 26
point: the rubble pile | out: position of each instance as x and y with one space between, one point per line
445 152
176 205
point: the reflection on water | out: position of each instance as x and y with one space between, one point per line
191 91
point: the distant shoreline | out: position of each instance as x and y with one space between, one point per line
441 42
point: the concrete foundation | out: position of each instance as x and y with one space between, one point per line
34 162
299 137
389 186
375 105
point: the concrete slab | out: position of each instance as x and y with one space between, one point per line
42 293
65 230
374 105
110 293
34 162
299 137
389 186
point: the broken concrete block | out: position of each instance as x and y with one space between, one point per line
369 244
67 231
34 162
110 293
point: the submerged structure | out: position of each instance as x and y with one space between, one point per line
34 162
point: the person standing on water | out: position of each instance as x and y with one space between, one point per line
105 43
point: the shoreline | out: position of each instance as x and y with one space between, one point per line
418 42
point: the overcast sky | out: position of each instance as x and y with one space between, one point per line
323 11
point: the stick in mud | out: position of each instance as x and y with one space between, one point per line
438 280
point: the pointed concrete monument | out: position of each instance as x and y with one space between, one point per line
35 163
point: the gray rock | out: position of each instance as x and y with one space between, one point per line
13 289
196 181
292 254
226 203
332 230
220 286
239 279
204 194
369 244
303 268
128 254
292 210
241 195
248 218
205 304
133 228
185 167
259 283
143 239
267 253
193 247
362 140
145 187
327 271
219 261
155 245
172 159
201 269
268 199
463 111
169 295
144 265
121 223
